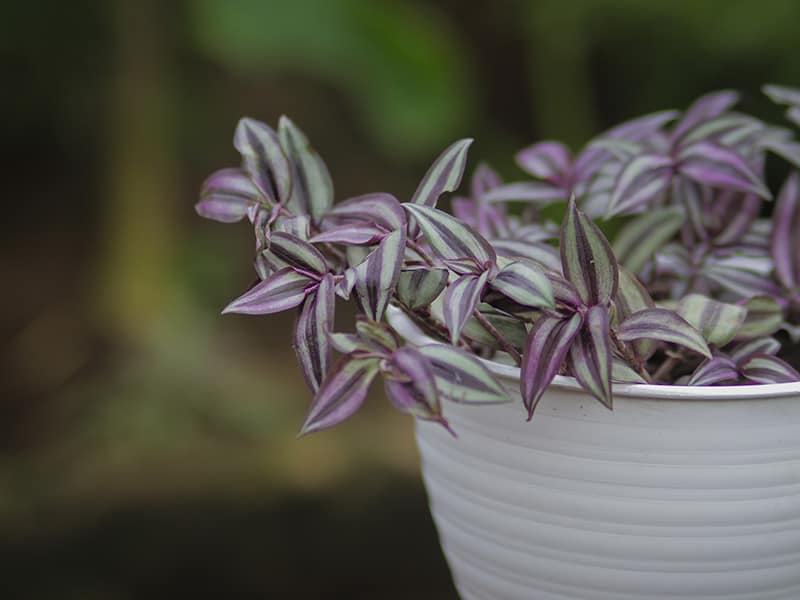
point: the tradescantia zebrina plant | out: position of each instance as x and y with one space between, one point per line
697 287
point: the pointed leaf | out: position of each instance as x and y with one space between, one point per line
766 345
717 321
379 209
414 391
511 328
587 258
263 159
703 109
781 94
281 291
341 394
638 240
526 191
298 226
545 160
525 284
545 353
227 196
348 343
785 241
590 355
444 175
311 342
460 301
717 371
662 325
717 166
377 276
632 297
286 249
450 238
539 253
460 377
622 372
763 368
355 234
381 337
741 282
764 317
788 150
642 179
313 188
419 286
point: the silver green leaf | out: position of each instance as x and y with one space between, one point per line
444 175
641 238
418 286
311 342
450 238
719 322
587 258
525 284
460 377
313 188
590 355
662 325
263 159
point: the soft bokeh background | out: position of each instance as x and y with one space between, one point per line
147 445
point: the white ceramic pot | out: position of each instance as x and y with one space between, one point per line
679 492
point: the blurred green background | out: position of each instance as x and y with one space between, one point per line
147 445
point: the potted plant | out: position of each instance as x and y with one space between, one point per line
510 338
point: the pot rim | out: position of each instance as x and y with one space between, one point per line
411 333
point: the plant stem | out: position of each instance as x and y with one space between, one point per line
630 357
666 368
504 343
419 250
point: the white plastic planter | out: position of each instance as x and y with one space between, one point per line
679 492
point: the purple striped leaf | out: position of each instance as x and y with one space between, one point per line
227 196
717 166
785 241
662 325
378 209
632 297
449 238
281 291
484 178
546 349
587 258
764 317
263 159
643 179
737 212
564 293
730 129
740 282
286 249
298 226
622 372
313 189
781 94
311 342
381 337
763 368
341 394
765 345
546 160
527 191
788 150
411 385
354 234
717 321
460 377
460 301
639 240
525 284
417 287
540 253
444 175
719 370
590 355
511 328
349 343
703 109
637 130
377 276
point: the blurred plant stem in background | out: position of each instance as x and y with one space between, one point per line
137 262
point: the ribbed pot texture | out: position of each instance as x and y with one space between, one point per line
658 499
679 492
